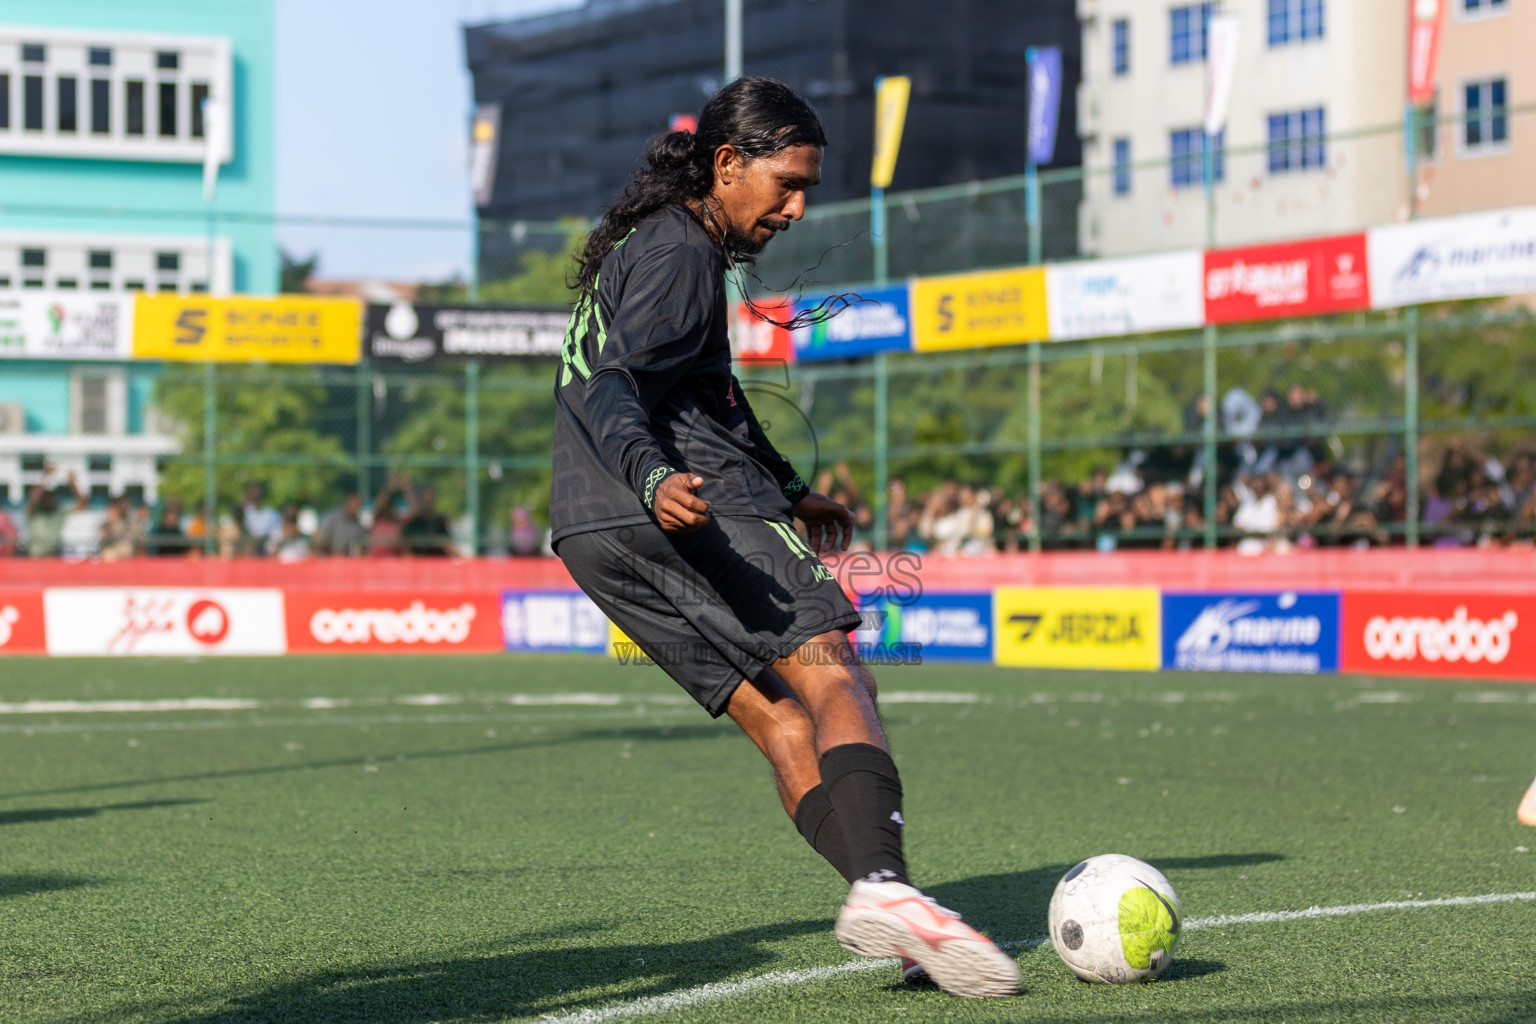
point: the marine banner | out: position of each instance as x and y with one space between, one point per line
1251 632
284 329
1476 255
1078 627
1000 307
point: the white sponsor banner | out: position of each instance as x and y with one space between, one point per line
66 325
1099 298
163 620
1476 255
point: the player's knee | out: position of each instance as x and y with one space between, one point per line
792 740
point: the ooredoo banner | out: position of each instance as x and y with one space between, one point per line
1101 298
1317 276
1427 634
1476 255
163 620
401 621
552 621
938 627
21 624
1078 627
1268 632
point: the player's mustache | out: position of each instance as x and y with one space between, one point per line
774 223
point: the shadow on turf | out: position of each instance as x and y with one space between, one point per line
26 885
38 814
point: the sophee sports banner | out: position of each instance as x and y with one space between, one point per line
285 329
417 333
879 320
1002 307
405 622
66 325
1103 298
1078 627
1308 278
163 620
935 627
552 621
1428 634
1283 631
1477 255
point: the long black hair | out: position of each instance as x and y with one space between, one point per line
758 116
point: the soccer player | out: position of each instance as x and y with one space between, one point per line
675 513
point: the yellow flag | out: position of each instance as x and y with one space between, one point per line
891 93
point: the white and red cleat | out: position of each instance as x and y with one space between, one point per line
1527 811
889 919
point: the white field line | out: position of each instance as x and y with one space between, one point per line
57 707
784 979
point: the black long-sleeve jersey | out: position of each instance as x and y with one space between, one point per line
645 389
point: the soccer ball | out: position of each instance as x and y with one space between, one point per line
1115 919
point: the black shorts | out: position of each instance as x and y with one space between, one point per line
711 607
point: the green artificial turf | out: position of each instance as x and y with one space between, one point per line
471 857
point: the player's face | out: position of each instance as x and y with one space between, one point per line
761 196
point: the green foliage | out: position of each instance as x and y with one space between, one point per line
294 273
541 277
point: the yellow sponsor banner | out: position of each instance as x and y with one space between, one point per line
621 646
1003 307
285 329
891 93
1078 627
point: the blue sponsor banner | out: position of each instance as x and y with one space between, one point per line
1254 632
1044 101
552 621
880 324
942 627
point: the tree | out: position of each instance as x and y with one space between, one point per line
294 273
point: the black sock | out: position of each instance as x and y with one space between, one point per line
865 792
817 821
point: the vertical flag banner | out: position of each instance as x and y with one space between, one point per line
1044 102
1425 19
1225 30
484 134
891 95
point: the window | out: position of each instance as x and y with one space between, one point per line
1480 8
5 102
33 53
101 57
32 103
1187 156
101 285
67 284
134 102
67 108
91 403
199 96
1426 126
168 110
167 60
1294 21
101 106
101 259
1296 141
1120 46
1189 32
168 261
1487 119
1122 175
133 286
34 257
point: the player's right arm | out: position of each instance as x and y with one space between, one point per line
658 329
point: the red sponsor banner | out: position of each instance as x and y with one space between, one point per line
401 621
1319 275
1424 20
1430 634
21 623
755 340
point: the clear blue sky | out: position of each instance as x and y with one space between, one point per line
372 120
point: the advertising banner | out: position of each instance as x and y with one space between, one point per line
891 95
1269 632
1001 307
1103 298
1078 627
1225 31
755 340
881 323
286 329
1316 276
21 623
1428 634
1044 101
163 620
1425 19
403 621
939 627
66 325
485 141
418 333
554 621
1473 256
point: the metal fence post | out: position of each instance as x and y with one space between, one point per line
1209 476
361 381
882 447
1034 447
210 458
1411 426
472 451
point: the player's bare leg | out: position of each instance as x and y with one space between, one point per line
1527 811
